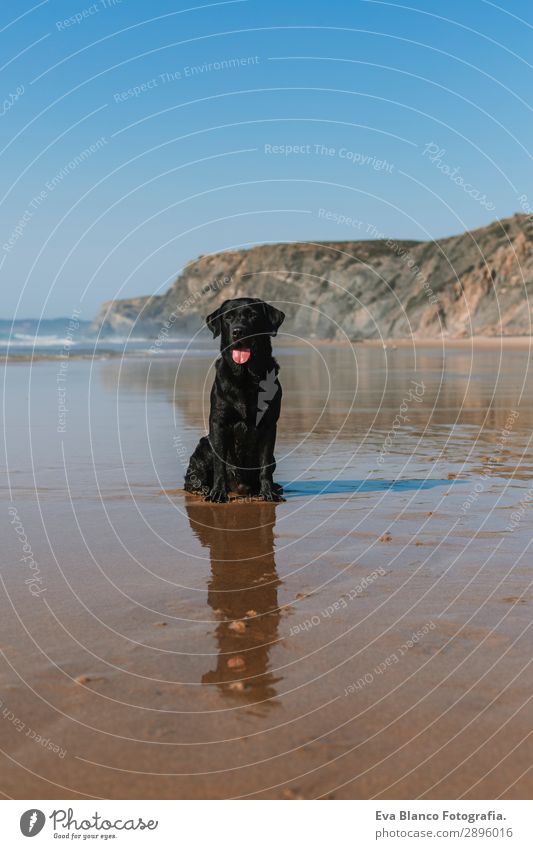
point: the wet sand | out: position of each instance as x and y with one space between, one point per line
369 638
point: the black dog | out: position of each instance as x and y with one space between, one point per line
238 454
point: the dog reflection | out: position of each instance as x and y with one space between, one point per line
243 593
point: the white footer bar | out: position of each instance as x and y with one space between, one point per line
235 824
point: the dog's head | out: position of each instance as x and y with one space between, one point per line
245 325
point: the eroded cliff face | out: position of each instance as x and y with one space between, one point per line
478 283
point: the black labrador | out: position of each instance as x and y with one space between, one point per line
238 454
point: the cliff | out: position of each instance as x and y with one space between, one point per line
477 283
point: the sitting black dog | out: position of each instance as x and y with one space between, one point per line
238 454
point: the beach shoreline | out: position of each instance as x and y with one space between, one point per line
446 342
368 638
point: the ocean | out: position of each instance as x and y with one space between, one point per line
59 338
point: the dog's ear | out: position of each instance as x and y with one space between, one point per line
274 318
213 321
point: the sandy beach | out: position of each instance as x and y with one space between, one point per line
369 638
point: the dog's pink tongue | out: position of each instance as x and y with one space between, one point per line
241 355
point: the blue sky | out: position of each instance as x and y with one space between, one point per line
137 136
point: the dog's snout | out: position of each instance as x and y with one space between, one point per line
238 331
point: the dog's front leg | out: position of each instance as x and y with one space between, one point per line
219 490
267 490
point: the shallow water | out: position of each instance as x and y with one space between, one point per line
258 650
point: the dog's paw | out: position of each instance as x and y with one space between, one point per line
218 495
268 494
